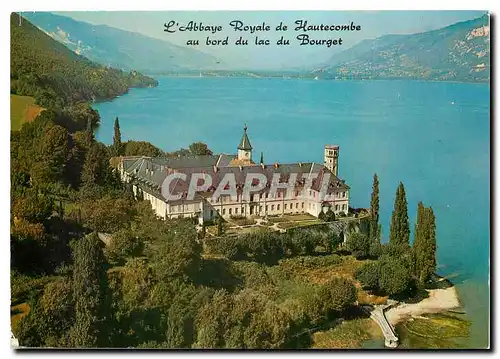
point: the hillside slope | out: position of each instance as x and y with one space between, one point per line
459 52
56 76
118 48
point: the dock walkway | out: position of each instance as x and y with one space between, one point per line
377 314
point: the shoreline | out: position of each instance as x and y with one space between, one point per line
330 79
439 300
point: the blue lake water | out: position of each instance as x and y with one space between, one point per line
432 136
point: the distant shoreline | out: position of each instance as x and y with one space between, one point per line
320 79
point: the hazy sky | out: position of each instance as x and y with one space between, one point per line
373 24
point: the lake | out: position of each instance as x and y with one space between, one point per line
432 136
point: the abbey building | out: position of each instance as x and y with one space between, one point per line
286 188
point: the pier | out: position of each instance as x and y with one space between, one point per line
377 314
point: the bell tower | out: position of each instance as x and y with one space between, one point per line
245 148
332 158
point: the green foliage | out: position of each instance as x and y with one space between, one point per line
376 249
33 206
374 210
141 148
358 244
338 294
329 215
424 244
395 278
177 253
106 214
57 77
181 331
89 291
116 148
257 323
368 275
213 321
124 244
220 225
254 275
269 247
96 169
199 149
400 225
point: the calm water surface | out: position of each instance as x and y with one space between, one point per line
434 137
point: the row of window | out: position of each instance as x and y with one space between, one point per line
272 207
261 196
185 208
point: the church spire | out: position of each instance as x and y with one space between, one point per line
245 148
245 142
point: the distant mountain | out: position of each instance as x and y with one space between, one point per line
459 52
118 48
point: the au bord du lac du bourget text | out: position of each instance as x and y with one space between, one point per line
252 34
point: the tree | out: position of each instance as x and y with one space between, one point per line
178 253
368 275
106 214
336 240
261 158
136 284
338 294
117 139
33 206
181 332
220 226
424 244
213 321
395 278
89 284
141 148
53 151
57 303
199 149
257 323
329 215
400 224
359 245
374 210
92 171
124 244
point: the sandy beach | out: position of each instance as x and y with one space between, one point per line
439 300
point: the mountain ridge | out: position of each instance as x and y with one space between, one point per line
459 52
57 77
121 48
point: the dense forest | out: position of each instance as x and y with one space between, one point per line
58 78
92 266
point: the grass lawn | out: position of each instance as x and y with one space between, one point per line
242 221
348 334
299 217
287 225
22 109
321 269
